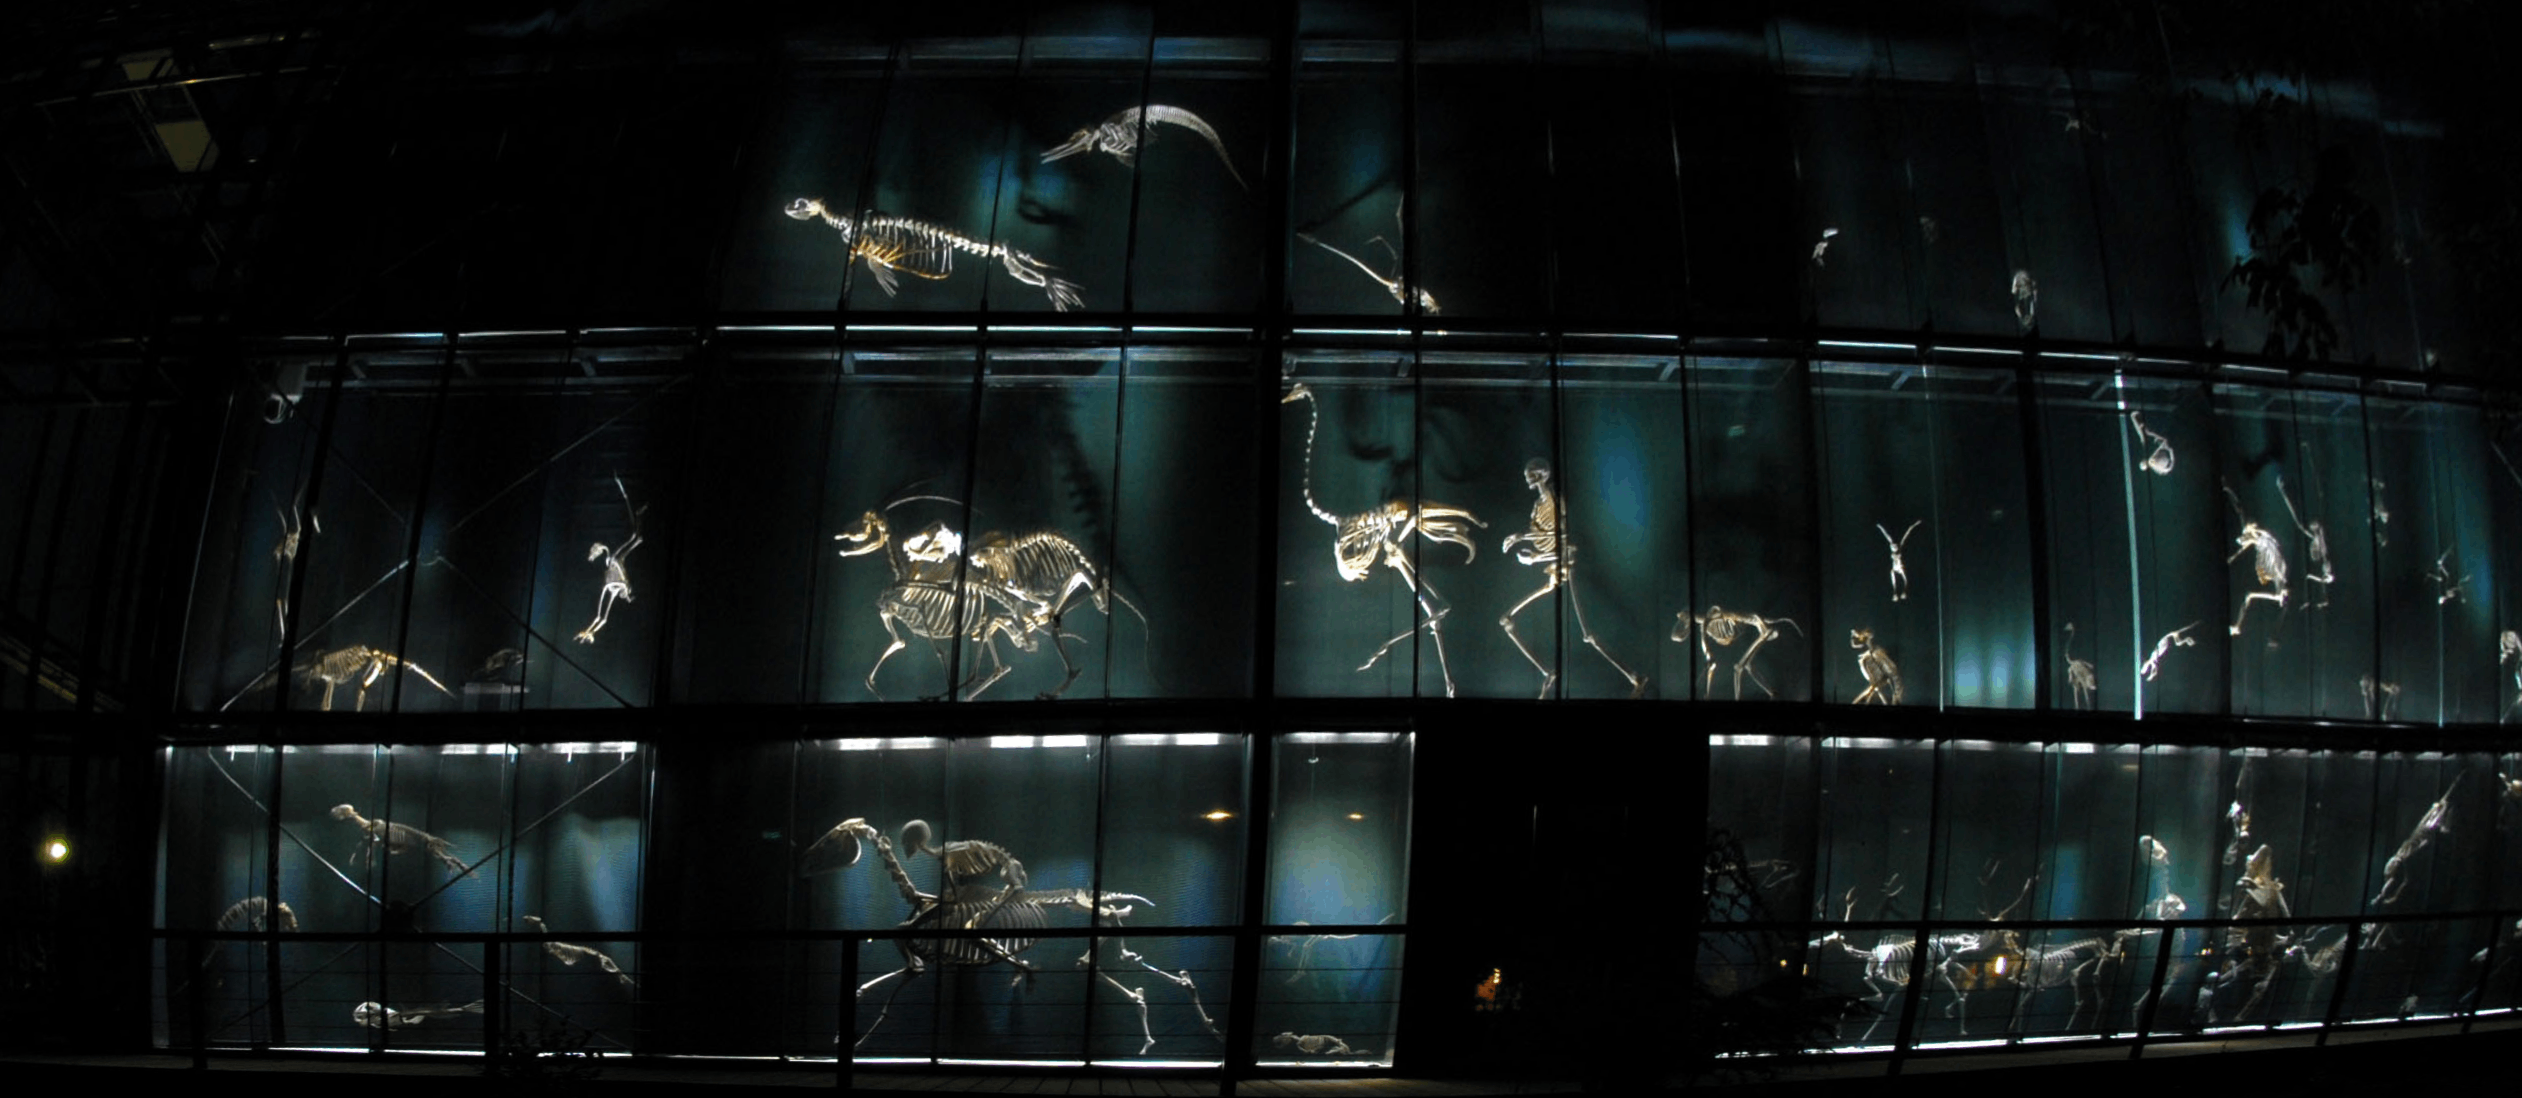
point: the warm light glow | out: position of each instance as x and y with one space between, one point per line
1220 814
1357 815
2000 966
57 850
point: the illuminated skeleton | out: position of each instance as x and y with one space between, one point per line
2381 515
1882 676
2253 954
2177 638
375 1015
1123 134
935 600
2080 679
1012 911
1383 533
2316 548
1312 1044
1301 947
2449 588
2437 815
617 583
2159 460
1821 248
1393 285
2386 692
294 522
2080 965
2026 293
341 665
1039 575
900 245
570 954
2268 563
1899 568
1547 543
1888 963
396 838
2509 654
1721 627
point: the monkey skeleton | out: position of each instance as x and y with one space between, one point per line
617 583
1882 676
2268 563
901 245
2177 638
2159 461
1899 567
1721 627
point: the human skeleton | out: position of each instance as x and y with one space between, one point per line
2080 679
617 583
1121 136
2268 563
895 246
1393 285
396 838
341 665
2026 293
2159 461
1546 544
1899 567
1383 533
963 903
570 954
1882 676
1721 627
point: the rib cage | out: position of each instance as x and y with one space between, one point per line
923 249
1043 570
936 612
1022 912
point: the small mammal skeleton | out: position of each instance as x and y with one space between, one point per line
569 954
1899 568
1120 135
617 583
1882 676
2158 462
1313 1044
902 245
1403 294
1383 534
376 1015
1721 627
1547 543
396 839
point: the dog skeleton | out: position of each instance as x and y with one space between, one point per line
901 245
1123 134
1720 627
1547 544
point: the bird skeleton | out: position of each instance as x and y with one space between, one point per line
1383 534
395 839
2080 679
894 246
1721 627
1125 132
1392 285
617 583
2268 564
570 954
1546 542
1899 567
1882 676
2159 461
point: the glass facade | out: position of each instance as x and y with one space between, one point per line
1113 537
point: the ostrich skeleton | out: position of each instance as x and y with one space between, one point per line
1546 542
2080 679
1383 534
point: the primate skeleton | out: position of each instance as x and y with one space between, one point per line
1393 285
2268 563
2026 293
617 583
963 903
1361 539
1721 627
2316 547
2159 461
2177 638
1546 543
1899 567
902 245
1882 676
396 838
1120 135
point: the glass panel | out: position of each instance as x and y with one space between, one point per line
1185 549
1749 242
1328 1000
1753 544
899 466
2182 798
1760 791
1202 242
1483 162
1347 190
2435 554
216 875
2285 499
1612 186
761 453
2041 141
1857 212
1624 491
2177 544
1960 238
1340 828
1874 802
